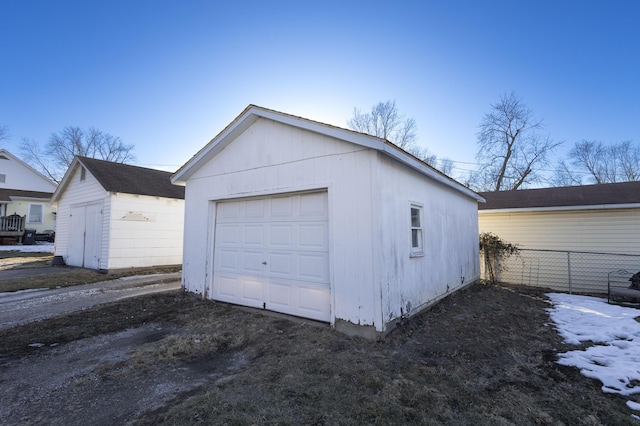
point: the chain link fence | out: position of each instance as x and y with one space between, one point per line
567 271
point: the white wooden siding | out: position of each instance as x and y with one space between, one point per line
79 193
450 229
145 231
20 176
602 231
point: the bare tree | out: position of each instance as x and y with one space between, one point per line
4 133
385 121
564 176
446 166
601 163
57 155
510 146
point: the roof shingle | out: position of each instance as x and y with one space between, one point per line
565 196
128 179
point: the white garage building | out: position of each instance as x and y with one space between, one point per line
113 216
295 216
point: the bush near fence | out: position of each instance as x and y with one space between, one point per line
567 271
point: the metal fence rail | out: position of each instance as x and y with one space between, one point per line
570 271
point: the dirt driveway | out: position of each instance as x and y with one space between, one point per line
24 306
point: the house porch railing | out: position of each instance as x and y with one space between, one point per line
12 223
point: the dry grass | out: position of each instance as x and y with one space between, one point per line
64 276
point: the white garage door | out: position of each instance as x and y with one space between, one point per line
273 253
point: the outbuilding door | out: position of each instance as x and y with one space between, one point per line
273 253
85 236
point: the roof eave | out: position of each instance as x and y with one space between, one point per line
561 208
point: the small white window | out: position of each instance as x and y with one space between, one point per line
417 237
3 178
35 213
83 173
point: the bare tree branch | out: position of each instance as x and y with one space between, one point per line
510 148
59 152
4 133
602 163
386 122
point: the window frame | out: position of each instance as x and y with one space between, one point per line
416 251
29 214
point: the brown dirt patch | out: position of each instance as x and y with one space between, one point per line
484 355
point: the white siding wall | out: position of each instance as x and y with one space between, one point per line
145 231
19 176
270 158
81 192
450 241
603 231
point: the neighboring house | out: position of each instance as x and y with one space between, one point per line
113 215
25 193
581 222
304 218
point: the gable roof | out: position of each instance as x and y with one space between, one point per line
609 195
6 195
6 154
124 178
253 112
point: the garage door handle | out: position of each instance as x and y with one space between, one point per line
264 263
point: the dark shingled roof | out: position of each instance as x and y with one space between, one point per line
128 179
565 196
6 194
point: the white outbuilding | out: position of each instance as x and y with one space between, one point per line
113 216
295 216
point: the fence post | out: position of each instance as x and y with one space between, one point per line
569 270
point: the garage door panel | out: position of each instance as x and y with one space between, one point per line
281 235
252 262
314 302
253 235
228 286
251 289
228 260
313 236
254 208
228 210
282 207
228 234
313 267
274 253
314 205
280 264
279 294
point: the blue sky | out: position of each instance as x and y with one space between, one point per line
167 76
